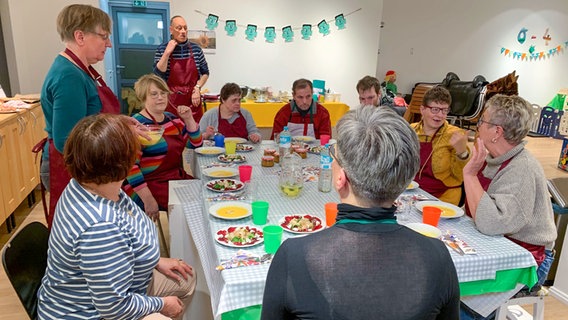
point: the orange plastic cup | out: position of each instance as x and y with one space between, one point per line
431 215
330 213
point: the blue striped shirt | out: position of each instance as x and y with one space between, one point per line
181 51
100 259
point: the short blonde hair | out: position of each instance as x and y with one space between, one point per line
513 114
143 83
81 17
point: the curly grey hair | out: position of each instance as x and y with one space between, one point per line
378 151
513 114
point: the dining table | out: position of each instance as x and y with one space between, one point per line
488 278
264 113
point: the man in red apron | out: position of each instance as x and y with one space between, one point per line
182 64
303 115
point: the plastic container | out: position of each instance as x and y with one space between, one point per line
285 142
324 181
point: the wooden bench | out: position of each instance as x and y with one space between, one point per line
412 113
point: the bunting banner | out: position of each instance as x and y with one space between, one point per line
251 30
532 54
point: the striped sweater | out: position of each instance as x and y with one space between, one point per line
152 156
100 259
181 51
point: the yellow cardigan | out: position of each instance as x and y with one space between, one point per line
446 165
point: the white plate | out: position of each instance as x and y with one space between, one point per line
219 237
425 229
210 151
318 225
306 139
224 210
231 158
449 210
239 185
236 139
412 185
244 148
221 172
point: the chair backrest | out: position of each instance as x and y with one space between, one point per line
412 113
25 259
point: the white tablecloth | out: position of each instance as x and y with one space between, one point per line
241 287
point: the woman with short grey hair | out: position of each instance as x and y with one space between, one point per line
505 186
366 256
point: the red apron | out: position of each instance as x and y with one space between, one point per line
58 175
182 79
537 251
171 168
237 129
425 177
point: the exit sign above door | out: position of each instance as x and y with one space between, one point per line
141 4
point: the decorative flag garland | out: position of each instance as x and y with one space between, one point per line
251 30
532 53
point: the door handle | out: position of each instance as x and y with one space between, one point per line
120 67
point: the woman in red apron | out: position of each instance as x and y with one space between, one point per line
443 148
229 119
73 89
160 162
505 186
177 63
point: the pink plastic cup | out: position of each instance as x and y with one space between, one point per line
324 139
245 172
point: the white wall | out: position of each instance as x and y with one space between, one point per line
466 36
340 58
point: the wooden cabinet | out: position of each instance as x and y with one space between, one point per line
19 170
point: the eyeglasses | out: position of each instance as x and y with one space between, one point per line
481 121
332 153
156 94
436 110
104 36
180 28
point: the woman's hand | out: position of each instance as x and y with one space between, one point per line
139 128
209 132
150 204
186 116
173 307
196 97
458 140
173 268
255 137
477 160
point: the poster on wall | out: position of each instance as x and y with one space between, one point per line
206 39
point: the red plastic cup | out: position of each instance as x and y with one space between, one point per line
324 139
245 172
431 215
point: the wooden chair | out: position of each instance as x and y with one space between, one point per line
412 113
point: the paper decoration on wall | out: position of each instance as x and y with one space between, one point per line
532 54
306 31
522 36
231 27
546 37
534 45
323 27
250 32
270 34
287 34
340 21
211 22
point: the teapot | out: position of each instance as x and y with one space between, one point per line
291 181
